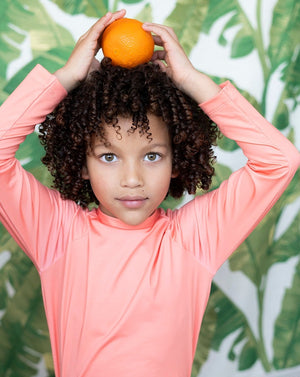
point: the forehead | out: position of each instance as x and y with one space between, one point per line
158 131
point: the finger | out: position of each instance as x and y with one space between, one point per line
95 32
117 15
157 40
97 27
159 55
160 30
104 21
161 64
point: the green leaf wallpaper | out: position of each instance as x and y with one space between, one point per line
251 327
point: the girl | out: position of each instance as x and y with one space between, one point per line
125 285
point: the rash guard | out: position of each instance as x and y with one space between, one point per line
127 301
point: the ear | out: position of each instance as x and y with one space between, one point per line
85 173
174 174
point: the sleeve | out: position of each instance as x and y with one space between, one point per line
215 224
31 212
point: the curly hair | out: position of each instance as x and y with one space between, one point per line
113 92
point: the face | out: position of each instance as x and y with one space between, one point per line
131 176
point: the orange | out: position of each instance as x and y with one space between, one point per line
127 43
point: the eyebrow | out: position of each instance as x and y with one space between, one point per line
100 145
157 145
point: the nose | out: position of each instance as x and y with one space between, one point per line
131 175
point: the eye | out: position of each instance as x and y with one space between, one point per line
108 157
152 157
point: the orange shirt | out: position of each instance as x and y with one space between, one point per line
127 301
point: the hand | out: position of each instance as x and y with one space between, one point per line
82 59
173 60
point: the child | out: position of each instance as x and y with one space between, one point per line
125 285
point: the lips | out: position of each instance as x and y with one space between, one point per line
132 202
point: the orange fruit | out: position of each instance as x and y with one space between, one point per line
127 43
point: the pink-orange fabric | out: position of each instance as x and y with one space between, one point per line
127 301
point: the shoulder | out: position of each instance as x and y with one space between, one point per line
185 220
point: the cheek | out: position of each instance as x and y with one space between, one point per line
102 183
161 181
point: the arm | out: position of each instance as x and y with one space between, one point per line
226 216
35 216
212 226
25 204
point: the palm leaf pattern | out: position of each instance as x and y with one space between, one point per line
24 340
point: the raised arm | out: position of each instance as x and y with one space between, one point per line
226 216
31 212
213 226
22 198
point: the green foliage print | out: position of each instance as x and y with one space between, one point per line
261 251
24 340
89 8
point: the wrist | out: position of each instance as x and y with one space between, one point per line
200 87
66 79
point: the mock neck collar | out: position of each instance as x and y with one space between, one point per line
117 223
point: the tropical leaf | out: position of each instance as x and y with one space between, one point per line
218 9
227 144
145 15
283 52
289 244
244 40
222 172
171 203
49 41
9 278
284 34
10 34
23 333
231 320
291 92
255 257
90 8
3 95
291 77
44 32
259 251
131 1
51 60
281 117
287 327
186 20
23 329
243 43
248 356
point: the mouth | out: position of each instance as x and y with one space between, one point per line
133 202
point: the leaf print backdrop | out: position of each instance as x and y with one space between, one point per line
252 323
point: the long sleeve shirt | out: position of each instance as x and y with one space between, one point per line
121 300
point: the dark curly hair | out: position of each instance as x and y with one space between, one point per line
114 92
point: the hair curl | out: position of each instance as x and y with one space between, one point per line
114 92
